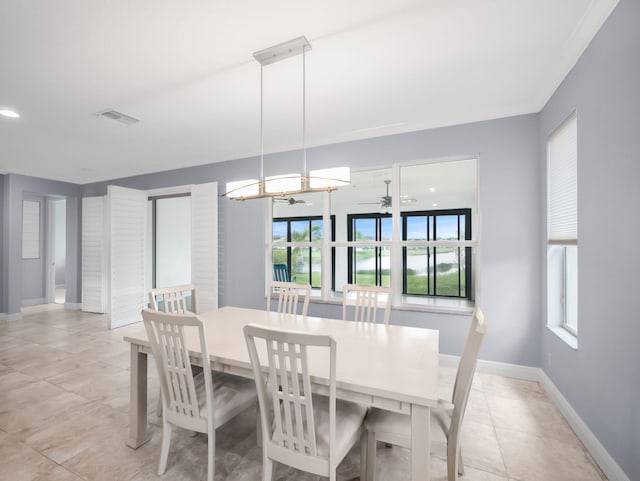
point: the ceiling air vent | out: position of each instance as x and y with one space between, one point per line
117 116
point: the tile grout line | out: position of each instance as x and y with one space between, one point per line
495 433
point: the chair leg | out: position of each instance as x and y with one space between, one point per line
258 427
371 456
453 461
363 455
164 449
159 408
211 461
267 467
460 463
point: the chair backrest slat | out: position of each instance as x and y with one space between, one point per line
176 299
366 301
287 391
289 294
167 336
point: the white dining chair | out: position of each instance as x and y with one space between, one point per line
366 300
394 428
312 433
200 402
176 299
289 294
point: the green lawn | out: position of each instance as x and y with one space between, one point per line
447 284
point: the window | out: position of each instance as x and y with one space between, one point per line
294 239
408 227
437 271
562 227
369 265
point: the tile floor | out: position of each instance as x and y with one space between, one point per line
64 392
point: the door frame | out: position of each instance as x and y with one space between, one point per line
50 256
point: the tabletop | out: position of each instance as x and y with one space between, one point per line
394 362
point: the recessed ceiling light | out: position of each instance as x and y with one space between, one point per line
434 205
432 189
9 113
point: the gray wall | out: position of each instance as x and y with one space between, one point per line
601 379
15 186
509 171
2 202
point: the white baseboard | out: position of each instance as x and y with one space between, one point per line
16 316
449 361
73 306
34 302
498 368
607 464
509 370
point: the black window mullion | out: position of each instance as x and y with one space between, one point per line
435 256
459 293
429 217
350 273
310 275
289 249
333 253
467 255
405 283
378 253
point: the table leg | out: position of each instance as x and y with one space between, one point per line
138 399
420 445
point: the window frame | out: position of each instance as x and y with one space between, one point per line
377 216
328 292
310 244
566 323
435 213
562 235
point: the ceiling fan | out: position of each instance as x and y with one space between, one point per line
385 200
289 200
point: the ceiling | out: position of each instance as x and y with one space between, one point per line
186 71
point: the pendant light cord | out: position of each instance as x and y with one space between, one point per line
304 115
261 125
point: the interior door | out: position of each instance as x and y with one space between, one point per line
204 243
93 255
126 225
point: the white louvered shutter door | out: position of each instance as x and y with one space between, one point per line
126 230
93 255
204 244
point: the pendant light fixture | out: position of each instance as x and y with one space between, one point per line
289 184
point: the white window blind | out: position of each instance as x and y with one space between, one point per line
562 184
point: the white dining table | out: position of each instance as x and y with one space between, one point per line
385 366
